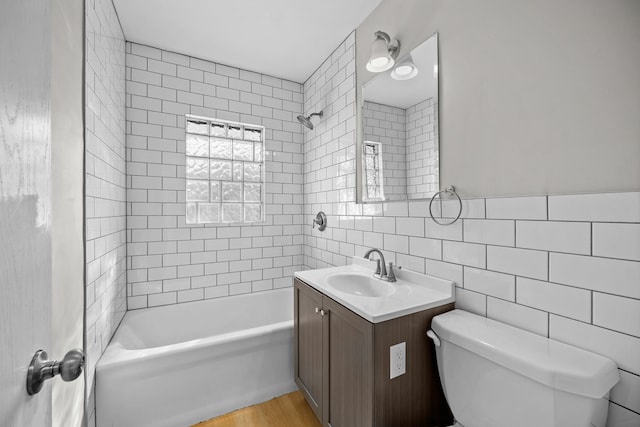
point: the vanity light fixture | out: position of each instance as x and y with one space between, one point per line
405 70
383 53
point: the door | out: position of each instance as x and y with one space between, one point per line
40 205
348 367
308 344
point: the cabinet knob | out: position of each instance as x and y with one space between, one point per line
317 310
322 312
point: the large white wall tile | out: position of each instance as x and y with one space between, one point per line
517 315
617 313
621 348
517 208
571 237
493 232
470 301
599 274
446 232
491 283
563 300
627 391
622 417
445 270
608 207
471 254
521 262
616 240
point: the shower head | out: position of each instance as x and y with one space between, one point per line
306 121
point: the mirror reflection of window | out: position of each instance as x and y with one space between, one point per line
373 170
399 110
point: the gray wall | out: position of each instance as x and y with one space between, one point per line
536 97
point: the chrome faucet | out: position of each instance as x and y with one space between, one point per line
381 269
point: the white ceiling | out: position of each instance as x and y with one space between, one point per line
281 38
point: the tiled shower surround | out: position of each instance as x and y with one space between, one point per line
105 174
169 261
565 267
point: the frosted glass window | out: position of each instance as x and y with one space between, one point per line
373 170
225 172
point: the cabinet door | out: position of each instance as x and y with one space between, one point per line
308 344
348 368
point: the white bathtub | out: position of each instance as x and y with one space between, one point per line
176 365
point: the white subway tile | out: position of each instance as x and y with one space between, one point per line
607 207
396 243
617 241
491 283
190 295
570 237
517 315
471 208
446 232
472 302
622 417
494 232
445 270
166 298
521 262
425 248
617 313
384 225
470 254
410 226
517 208
563 300
395 208
621 348
216 291
627 391
598 274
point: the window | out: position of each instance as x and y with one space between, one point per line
225 172
373 170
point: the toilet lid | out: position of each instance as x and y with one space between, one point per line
555 364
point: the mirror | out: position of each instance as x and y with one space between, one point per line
398 141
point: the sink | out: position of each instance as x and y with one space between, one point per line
363 285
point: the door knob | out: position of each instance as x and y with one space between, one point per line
41 369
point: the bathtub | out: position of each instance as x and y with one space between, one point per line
174 366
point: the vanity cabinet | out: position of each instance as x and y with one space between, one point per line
342 365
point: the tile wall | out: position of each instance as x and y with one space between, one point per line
565 267
168 261
386 124
105 169
422 149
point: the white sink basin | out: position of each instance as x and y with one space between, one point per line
375 300
363 285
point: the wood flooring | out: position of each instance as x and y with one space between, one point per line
289 410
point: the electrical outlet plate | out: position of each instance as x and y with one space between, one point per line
397 360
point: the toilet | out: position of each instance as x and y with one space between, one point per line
496 375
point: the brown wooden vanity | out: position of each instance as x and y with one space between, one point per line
342 365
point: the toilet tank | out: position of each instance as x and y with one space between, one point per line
496 375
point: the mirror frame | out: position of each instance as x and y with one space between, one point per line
360 131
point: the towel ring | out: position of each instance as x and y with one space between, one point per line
452 192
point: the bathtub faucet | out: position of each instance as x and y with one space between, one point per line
381 269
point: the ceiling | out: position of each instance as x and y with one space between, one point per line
288 39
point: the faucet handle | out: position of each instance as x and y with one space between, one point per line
391 276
